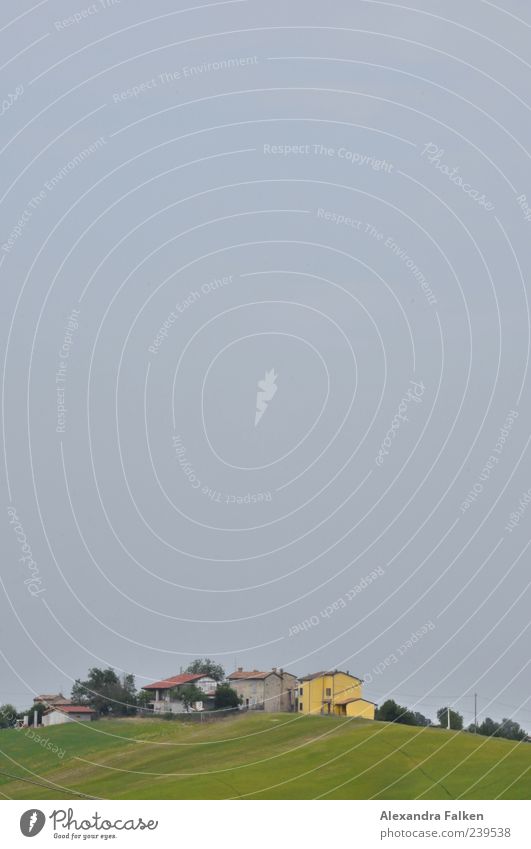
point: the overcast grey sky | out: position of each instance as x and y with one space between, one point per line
326 198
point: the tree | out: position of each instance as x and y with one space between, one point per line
511 730
391 712
189 694
8 714
206 666
143 698
104 691
29 712
489 728
420 719
456 720
226 697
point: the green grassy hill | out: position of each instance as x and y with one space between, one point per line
267 756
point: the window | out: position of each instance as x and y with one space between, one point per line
300 691
328 691
300 705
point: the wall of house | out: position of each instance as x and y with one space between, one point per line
207 685
163 705
288 691
57 718
249 689
319 691
361 709
271 694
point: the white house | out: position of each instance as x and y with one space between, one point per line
165 693
67 713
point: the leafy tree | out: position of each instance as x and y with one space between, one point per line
8 714
30 711
456 720
511 730
226 697
390 711
420 719
104 691
143 698
189 695
206 666
489 728
507 728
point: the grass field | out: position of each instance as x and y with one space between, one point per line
268 756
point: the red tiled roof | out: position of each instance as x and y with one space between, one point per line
254 673
72 709
168 683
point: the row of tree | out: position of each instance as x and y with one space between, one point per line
390 711
108 694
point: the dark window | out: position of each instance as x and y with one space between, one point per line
328 691
300 705
300 691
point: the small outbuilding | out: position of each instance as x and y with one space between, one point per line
68 713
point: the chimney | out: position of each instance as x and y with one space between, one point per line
240 668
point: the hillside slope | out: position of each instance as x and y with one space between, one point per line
261 757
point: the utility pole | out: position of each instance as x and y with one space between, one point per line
448 719
475 713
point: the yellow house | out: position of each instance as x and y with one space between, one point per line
334 692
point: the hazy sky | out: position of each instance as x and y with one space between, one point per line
326 198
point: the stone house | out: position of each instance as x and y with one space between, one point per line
271 691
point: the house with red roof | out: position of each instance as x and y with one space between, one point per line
60 714
166 695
